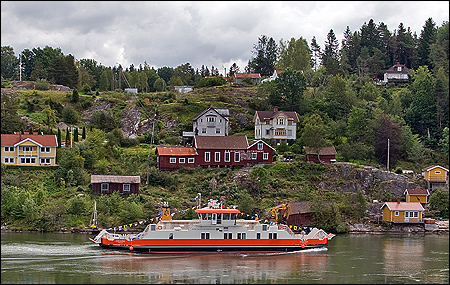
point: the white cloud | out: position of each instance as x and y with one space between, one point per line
209 33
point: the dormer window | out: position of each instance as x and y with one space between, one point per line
399 68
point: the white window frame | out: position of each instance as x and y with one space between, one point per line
254 155
437 172
396 213
45 149
27 148
416 214
181 160
260 146
207 156
265 156
9 149
203 130
217 156
45 160
227 156
237 157
104 188
173 160
8 160
27 160
125 186
217 130
191 160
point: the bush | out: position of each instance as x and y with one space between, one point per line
41 84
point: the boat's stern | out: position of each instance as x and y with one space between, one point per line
98 238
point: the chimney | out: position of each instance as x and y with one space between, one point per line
275 109
398 200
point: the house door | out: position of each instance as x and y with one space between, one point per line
214 218
407 216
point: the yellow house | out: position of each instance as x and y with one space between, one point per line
417 195
436 176
28 149
402 212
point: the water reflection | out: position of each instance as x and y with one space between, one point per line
213 268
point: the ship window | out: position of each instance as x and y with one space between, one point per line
264 227
258 235
153 227
270 235
239 236
244 235
225 235
226 216
233 216
205 235
230 235
275 235
171 236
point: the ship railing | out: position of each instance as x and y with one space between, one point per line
284 227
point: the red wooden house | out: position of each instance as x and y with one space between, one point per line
124 184
221 151
175 157
324 155
259 152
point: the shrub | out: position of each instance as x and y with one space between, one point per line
41 84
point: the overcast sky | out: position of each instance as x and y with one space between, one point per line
208 33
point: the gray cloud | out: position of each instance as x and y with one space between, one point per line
210 33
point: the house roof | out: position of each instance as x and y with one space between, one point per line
423 192
299 208
44 140
175 151
221 112
253 142
328 150
220 142
429 167
394 68
262 115
115 179
403 206
251 75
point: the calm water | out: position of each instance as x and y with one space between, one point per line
72 258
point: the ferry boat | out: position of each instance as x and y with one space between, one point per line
216 230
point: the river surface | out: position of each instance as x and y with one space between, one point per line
43 258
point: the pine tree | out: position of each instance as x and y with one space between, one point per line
75 135
83 134
427 38
330 56
316 54
58 137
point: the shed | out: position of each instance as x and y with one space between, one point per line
417 195
124 184
300 214
324 155
402 212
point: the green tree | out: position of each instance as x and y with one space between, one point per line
316 54
83 134
75 96
75 134
294 55
264 56
50 117
165 73
290 87
330 55
444 142
70 115
175 81
313 135
439 202
427 38
58 137
10 120
9 63
385 129
104 80
159 85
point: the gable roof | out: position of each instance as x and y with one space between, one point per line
299 208
403 206
434 166
221 112
423 192
253 142
251 75
175 150
42 140
115 179
394 68
262 115
220 142
327 150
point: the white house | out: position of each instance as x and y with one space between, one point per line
210 122
276 125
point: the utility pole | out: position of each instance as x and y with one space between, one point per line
388 155
20 66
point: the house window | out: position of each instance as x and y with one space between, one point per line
396 213
265 156
254 155
203 130
126 187
45 160
207 156
9 160
260 146
181 160
45 149
211 119
191 160
26 148
105 186
267 122
217 131
289 133
290 123
27 160
416 214
407 214
280 121
437 172
217 156
9 149
399 68
237 157
267 132
173 160
227 156
280 132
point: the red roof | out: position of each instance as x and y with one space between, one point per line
175 150
434 166
250 75
417 192
220 142
262 115
44 140
404 206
